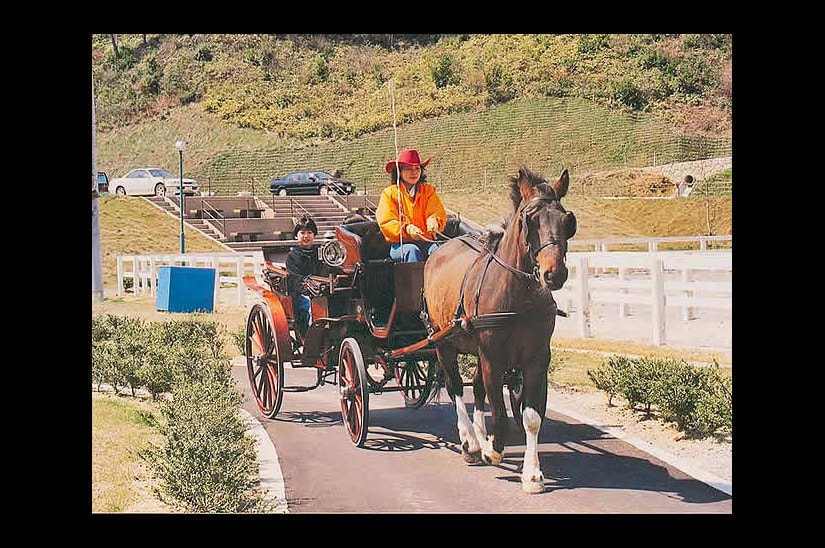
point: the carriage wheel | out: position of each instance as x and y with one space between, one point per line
263 361
352 384
515 385
416 380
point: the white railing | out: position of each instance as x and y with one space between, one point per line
689 280
694 281
230 268
604 244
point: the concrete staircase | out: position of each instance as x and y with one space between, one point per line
327 212
171 205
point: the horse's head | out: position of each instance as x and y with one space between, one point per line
544 226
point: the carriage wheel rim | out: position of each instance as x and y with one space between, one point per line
354 390
412 380
262 367
351 404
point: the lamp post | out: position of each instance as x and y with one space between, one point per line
180 145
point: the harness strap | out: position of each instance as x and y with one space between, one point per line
459 311
480 283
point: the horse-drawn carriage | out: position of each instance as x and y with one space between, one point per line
380 325
367 334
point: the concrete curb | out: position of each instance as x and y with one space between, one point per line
272 479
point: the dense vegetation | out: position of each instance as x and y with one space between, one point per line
326 86
207 461
313 93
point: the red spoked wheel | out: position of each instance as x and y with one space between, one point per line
415 377
352 384
263 361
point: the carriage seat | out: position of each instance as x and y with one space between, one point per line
370 240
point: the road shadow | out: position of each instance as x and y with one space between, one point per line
573 455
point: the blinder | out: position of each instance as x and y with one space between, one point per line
570 224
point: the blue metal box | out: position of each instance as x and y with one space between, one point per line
186 289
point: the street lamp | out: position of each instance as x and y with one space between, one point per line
180 145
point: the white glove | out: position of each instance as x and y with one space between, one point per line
414 232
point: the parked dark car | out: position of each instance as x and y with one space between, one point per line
102 182
310 182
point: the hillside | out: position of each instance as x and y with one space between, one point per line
253 106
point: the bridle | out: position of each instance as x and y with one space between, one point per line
530 277
534 253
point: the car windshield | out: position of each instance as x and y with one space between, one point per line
160 173
322 175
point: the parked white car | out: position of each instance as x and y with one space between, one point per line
148 181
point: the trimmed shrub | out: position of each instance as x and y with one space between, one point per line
208 463
608 376
698 399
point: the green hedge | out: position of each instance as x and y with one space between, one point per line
698 399
207 462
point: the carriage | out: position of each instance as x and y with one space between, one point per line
381 325
367 334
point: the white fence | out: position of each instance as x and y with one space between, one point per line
693 281
142 270
604 244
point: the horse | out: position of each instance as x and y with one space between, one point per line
497 297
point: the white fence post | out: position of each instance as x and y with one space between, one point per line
119 291
216 264
153 276
583 298
687 311
624 307
138 278
657 274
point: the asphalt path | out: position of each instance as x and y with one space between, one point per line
411 463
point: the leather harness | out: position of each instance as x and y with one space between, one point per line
493 319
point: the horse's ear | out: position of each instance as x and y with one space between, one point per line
562 184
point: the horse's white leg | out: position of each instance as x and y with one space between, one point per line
480 427
532 480
469 443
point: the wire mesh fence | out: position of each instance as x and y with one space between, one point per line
480 149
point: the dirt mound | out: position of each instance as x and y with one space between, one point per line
636 183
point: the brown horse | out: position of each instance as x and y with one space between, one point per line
499 293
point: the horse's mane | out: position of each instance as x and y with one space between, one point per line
535 180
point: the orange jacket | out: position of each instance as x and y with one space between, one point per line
416 211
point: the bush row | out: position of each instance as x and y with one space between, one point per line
698 399
207 461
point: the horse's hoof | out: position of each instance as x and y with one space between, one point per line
471 458
533 486
494 458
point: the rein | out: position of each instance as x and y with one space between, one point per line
533 274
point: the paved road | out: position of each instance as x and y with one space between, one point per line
411 463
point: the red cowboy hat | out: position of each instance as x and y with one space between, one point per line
408 157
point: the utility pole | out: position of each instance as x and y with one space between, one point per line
97 268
